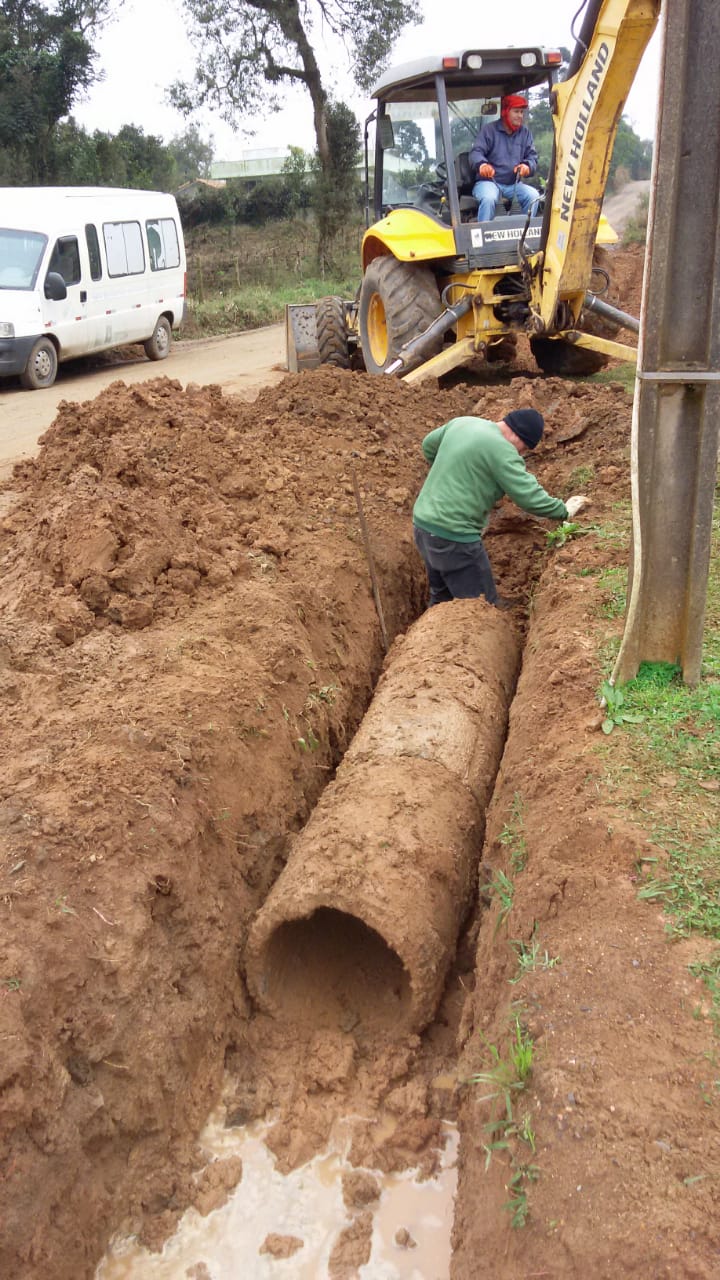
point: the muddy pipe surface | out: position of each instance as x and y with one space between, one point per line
361 926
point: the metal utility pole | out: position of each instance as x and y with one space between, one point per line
676 416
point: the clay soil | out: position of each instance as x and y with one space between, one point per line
188 641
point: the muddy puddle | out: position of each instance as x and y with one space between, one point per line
273 1225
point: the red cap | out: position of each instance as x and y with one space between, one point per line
513 100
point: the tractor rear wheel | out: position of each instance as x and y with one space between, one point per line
332 339
397 302
555 356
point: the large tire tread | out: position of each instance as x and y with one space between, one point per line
332 337
411 300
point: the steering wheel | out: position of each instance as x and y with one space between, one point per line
441 171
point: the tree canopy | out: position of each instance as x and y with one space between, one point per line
46 61
249 51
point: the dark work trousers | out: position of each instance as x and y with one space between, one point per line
456 570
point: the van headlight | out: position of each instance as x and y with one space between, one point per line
7 329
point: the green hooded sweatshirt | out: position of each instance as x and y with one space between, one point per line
472 466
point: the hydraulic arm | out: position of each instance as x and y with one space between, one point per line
587 107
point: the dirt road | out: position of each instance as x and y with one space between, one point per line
240 363
620 208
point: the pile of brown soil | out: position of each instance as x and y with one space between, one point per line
188 641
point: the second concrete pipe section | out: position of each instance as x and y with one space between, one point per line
361 926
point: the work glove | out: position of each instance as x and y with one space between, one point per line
522 170
486 171
576 504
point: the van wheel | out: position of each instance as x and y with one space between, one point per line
158 346
41 368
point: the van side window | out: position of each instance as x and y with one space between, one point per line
93 248
163 243
124 248
66 259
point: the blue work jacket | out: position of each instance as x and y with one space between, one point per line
503 150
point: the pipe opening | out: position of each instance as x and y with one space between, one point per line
332 970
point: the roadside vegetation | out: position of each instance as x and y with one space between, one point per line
661 760
241 277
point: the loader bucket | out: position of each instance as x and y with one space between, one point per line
301 337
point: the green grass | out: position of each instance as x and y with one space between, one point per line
253 306
580 477
613 582
530 958
506 1078
512 835
623 373
666 767
242 277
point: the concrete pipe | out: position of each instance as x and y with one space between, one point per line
362 924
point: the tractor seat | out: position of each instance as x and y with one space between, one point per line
465 180
464 176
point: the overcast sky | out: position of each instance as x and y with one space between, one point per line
145 49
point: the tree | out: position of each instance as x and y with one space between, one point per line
410 143
296 171
192 155
46 61
337 189
248 50
147 163
630 153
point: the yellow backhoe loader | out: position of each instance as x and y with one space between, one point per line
441 289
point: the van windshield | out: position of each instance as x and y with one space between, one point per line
21 253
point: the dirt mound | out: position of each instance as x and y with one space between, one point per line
188 641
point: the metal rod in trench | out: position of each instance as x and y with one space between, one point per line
369 555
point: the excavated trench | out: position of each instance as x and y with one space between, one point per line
356 940
189 642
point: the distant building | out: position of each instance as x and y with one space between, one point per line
267 163
199 184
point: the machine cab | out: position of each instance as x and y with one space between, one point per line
428 115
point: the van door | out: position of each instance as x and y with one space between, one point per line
99 309
67 320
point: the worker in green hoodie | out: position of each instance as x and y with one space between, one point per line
473 462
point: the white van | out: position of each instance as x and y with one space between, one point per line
83 269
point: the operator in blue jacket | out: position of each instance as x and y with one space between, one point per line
502 154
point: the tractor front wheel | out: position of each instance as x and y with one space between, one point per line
397 302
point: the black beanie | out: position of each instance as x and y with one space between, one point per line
527 424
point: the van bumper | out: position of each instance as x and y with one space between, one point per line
14 354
